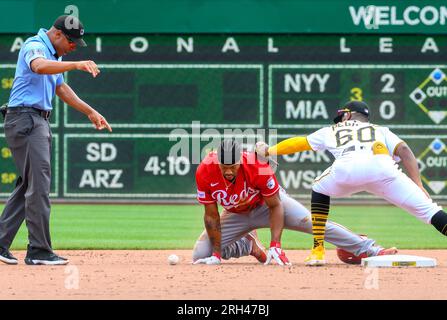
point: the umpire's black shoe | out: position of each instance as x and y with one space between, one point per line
46 258
7 257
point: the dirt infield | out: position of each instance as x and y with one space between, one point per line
147 275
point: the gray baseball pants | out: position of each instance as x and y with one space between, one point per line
234 227
29 137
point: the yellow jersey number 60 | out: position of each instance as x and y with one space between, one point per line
356 94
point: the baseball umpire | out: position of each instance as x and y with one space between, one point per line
38 77
365 160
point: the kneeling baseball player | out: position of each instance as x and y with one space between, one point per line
251 198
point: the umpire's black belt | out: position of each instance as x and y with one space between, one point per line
44 114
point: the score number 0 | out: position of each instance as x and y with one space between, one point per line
387 108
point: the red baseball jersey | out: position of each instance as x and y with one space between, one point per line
254 181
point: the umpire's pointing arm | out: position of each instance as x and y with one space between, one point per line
66 93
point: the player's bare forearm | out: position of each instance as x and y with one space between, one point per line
69 97
44 66
276 222
66 93
409 162
276 217
212 226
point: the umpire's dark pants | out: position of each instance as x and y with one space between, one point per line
28 136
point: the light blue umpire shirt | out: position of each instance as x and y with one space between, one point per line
30 89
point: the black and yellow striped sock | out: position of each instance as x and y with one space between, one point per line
439 221
320 205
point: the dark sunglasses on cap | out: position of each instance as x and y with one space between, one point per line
341 111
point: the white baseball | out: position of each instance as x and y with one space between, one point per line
173 259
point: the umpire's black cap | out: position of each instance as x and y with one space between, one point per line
72 27
352 106
229 152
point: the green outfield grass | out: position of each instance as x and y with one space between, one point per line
177 226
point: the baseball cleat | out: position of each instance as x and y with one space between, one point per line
257 249
50 259
7 257
316 257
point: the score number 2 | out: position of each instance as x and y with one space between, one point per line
387 108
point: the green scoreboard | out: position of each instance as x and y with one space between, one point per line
173 95
169 98
406 97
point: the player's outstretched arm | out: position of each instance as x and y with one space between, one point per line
291 145
288 146
410 164
212 226
67 95
276 226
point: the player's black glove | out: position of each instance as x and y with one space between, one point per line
3 110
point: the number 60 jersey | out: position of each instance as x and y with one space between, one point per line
350 138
